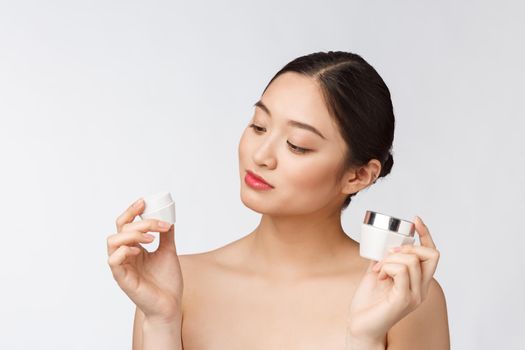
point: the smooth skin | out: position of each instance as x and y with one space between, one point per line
297 280
153 281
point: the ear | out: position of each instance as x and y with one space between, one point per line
358 178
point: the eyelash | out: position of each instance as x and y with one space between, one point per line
295 148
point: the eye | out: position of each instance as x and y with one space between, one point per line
256 128
296 149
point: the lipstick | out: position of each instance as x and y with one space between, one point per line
256 182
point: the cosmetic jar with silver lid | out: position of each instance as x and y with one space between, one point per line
380 232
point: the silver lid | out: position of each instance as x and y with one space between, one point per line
390 223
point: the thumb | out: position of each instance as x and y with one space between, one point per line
167 239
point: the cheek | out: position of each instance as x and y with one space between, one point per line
242 147
315 174
306 185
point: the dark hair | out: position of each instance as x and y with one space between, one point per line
359 100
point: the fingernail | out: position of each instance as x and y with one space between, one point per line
164 224
148 236
395 249
137 203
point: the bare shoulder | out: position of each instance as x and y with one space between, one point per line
191 261
208 259
193 267
426 327
219 257
199 269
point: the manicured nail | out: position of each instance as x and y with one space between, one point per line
137 203
395 249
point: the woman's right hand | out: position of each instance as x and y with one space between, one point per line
153 281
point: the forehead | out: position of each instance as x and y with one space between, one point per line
295 96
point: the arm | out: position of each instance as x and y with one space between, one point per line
424 328
138 323
162 335
148 334
353 343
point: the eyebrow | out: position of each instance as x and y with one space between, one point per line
295 123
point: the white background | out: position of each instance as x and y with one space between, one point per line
102 102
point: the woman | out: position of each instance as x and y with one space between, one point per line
321 132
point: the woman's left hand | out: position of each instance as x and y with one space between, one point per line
392 288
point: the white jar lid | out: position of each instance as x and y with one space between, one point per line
157 201
390 223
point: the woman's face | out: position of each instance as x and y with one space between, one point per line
271 147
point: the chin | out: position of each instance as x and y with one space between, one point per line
257 201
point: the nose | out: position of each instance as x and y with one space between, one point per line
264 154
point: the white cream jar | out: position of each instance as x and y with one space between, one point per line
159 206
380 232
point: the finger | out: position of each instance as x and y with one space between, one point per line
400 274
147 225
371 266
424 234
116 260
429 258
167 239
127 238
129 214
413 263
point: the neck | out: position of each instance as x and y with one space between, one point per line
296 246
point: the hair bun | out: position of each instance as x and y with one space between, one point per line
387 166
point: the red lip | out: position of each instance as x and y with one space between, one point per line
258 178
